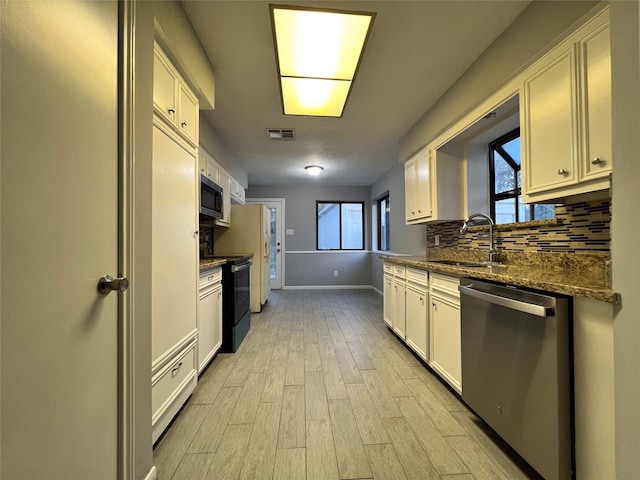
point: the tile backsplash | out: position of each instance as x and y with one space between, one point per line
577 228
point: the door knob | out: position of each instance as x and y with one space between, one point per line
596 161
107 283
562 171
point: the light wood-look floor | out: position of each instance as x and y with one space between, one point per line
320 390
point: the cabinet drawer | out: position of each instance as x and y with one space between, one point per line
399 271
167 383
388 268
445 284
210 277
420 277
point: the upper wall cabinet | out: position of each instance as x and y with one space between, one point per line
433 186
172 99
417 176
566 117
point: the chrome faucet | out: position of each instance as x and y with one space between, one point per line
493 253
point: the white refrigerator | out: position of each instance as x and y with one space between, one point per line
249 233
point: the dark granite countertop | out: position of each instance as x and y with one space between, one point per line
211 263
563 277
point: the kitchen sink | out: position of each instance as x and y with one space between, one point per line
458 263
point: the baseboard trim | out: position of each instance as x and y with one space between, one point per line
328 287
377 291
152 475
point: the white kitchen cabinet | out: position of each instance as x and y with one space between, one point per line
171 386
433 187
417 311
399 292
566 117
174 272
224 180
417 189
237 192
173 100
209 316
165 86
445 355
394 299
387 297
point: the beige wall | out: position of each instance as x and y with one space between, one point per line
538 27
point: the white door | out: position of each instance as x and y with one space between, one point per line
59 224
275 207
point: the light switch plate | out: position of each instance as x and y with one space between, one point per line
289 231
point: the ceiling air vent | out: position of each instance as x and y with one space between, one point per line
280 134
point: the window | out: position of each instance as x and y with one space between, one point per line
340 225
505 178
384 227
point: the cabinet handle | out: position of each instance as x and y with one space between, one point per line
176 368
419 211
412 212
562 171
172 111
596 161
184 124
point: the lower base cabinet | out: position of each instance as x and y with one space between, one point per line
171 386
445 355
399 320
209 316
417 311
388 300
423 309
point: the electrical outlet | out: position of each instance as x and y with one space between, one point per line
335 273
436 240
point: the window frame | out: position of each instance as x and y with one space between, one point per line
340 203
379 201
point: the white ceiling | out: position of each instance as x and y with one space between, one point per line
416 51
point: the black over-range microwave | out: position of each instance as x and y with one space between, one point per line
210 200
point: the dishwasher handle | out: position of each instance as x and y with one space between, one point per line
511 303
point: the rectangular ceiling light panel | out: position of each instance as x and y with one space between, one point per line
318 53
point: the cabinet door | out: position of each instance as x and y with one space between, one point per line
202 163
416 315
217 319
596 92
410 189
207 332
212 171
164 86
224 180
174 244
550 121
187 113
388 300
423 191
399 290
445 353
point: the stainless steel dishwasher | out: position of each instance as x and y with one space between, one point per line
516 370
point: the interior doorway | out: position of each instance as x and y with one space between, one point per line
275 206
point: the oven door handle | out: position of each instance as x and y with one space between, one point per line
525 307
240 267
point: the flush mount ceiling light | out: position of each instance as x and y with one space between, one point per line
318 52
313 170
